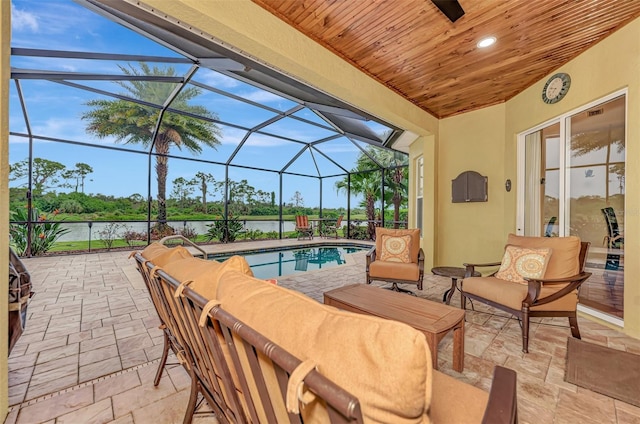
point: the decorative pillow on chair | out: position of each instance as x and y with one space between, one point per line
396 248
519 263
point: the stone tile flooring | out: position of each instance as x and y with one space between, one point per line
92 345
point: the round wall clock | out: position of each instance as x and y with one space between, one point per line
556 88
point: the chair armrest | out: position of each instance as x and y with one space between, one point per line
421 263
470 268
371 256
535 286
502 407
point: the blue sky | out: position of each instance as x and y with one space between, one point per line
54 110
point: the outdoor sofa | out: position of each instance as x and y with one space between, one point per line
232 332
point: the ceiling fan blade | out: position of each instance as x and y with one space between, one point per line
451 8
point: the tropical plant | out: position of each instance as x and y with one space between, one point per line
225 231
135 120
43 233
366 184
366 181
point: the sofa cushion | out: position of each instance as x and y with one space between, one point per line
520 262
397 270
205 274
455 401
564 261
160 255
386 364
383 234
511 294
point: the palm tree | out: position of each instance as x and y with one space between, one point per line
135 123
366 184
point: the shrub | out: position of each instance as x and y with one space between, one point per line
159 231
71 206
254 234
43 234
358 232
224 231
189 232
109 234
130 236
271 234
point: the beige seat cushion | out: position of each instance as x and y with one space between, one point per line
455 401
511 294
386 364
395 270
383 234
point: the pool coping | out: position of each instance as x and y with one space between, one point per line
277 248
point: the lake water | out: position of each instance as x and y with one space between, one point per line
80 231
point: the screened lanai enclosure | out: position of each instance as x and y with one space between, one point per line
121 128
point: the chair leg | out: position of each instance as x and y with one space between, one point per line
193 397
163 359
525 329
573 323
394 287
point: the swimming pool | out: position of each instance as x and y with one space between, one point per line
276 263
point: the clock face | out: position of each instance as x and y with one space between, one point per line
556 88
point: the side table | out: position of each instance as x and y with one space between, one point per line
454 273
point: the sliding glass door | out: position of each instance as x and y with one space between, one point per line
572 183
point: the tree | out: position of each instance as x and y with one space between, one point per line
133 122
297 199
366 184
45 173
365 181
79 174
181 190
201 179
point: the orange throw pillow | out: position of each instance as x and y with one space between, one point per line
519 263
396 248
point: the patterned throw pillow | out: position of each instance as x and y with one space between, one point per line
396 248
521 262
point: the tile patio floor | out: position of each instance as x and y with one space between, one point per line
91 348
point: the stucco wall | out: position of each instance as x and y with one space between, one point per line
485 141
471 232
5 73
611 65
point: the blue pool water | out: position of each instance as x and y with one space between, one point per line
276 263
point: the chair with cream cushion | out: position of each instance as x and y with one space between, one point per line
538 277
396 258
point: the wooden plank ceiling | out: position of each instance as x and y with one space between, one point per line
414 49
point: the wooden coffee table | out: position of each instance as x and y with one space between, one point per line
434 319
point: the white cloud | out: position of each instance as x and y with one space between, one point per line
259 140
68 129
232 136
260 96
22 20
215 79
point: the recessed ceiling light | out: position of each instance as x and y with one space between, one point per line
486 42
